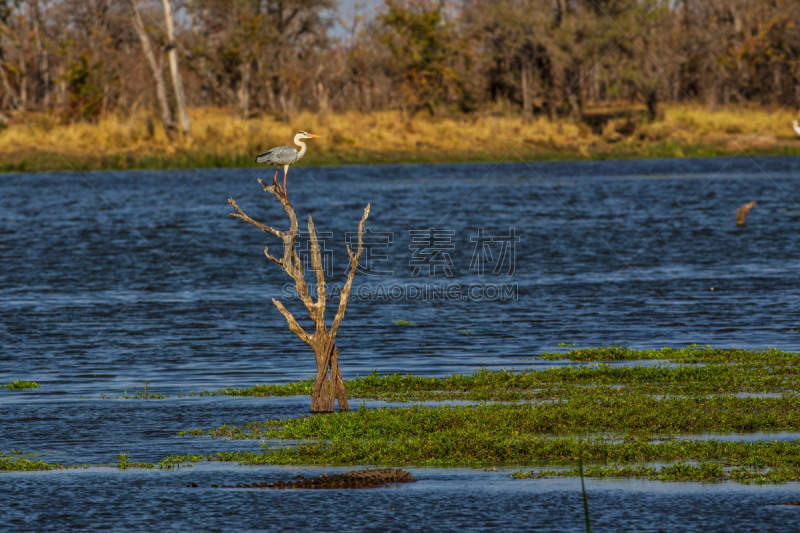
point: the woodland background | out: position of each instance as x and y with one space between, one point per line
612 70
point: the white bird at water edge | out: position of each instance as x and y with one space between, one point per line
796 128
285 156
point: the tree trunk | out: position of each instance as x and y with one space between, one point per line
8 90
177 83
329 385
243 93
23 82
322 96
527 106
44 59
321 397
273 107
561 11
337 383
155 69
652 104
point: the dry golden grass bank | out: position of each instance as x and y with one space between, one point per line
38 143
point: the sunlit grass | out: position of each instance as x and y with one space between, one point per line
221 139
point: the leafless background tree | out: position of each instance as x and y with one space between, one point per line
79 59
329 385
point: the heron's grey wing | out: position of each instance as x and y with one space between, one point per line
283 155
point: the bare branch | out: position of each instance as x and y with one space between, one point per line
272 258
316 261
345 294
293 325
241 214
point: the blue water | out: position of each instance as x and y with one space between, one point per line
111 279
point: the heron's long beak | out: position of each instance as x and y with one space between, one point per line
312 135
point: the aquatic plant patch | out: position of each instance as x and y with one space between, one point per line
701 370
567 416
19 384
689 354
22 464
586 410
677 472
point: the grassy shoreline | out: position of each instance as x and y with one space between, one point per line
40 143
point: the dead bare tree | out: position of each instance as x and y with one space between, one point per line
177 82
329 385
155 69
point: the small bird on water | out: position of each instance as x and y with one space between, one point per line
285 156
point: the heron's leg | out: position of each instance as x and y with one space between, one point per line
285 171
275 179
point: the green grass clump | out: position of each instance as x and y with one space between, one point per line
708 472
507 434
689 354
403 323
558 382
19 461
19 384
123 463
9 464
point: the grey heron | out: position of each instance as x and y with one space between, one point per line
285 156
796 128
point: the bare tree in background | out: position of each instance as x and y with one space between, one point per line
177 83
155 69
329 385
78 59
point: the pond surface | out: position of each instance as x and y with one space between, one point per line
108 280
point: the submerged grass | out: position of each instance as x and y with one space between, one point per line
676 472
18 461
222 140
574 413
688 371
690 354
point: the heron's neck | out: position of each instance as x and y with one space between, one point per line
302 146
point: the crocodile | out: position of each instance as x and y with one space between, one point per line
354 479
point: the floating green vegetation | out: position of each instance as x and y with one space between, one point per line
567 416
19 384
10 464
689 354
19 461
123 463
197 432
677 373
403 323
559 382
708 472
583 411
